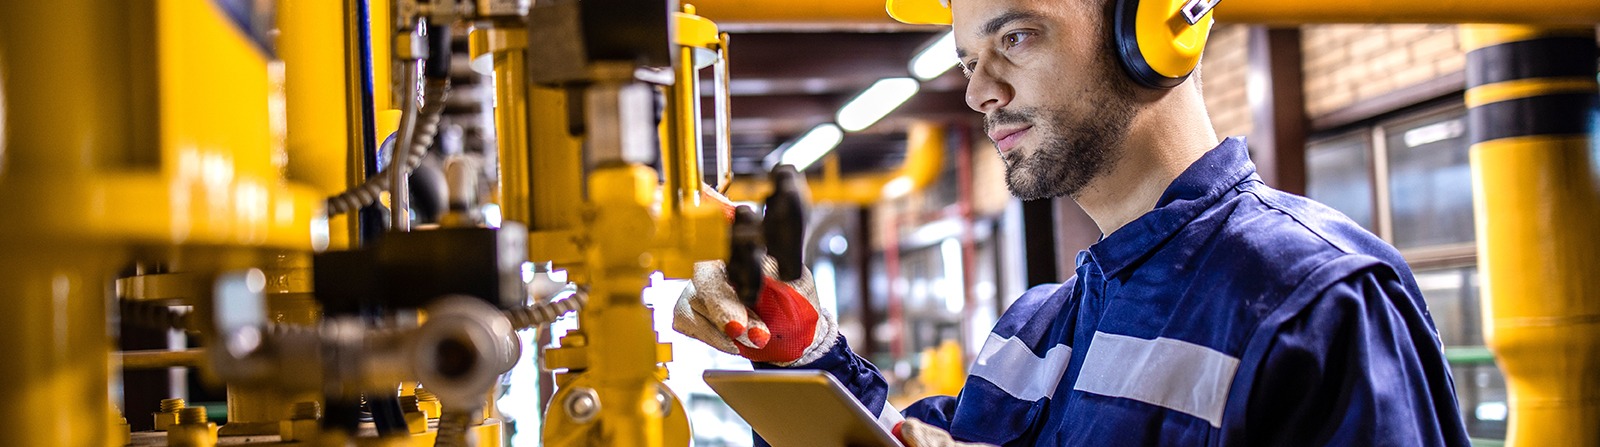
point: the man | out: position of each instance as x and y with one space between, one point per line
1214 310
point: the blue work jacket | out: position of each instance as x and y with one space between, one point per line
1231 314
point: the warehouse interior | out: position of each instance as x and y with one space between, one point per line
204 244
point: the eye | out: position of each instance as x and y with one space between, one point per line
1012 39
967 67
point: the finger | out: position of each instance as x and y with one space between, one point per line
915 433
759 334
715 300
688 322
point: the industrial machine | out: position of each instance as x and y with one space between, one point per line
297 187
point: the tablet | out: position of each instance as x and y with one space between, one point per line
799 408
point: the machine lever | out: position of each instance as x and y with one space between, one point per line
745 255
784 226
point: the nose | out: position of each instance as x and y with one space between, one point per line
987 92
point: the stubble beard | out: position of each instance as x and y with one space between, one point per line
1074 148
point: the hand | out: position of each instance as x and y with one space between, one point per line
915 433
786 328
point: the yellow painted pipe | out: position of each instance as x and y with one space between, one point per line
924 159
1537 198
1286 12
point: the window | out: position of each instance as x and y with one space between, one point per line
1406 178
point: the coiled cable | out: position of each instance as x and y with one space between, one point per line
541 313
434 93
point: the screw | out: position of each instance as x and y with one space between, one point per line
583 404
192 415
171 405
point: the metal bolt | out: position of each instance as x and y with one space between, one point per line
192 415
664 400
168 416
171 405
583 405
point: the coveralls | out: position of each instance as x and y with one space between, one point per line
1231 314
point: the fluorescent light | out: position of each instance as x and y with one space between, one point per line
812 146
871 105
936 58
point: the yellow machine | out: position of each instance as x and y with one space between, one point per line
212 168
219 155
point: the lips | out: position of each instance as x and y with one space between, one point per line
1006 139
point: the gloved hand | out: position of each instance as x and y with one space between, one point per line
786 328
915 433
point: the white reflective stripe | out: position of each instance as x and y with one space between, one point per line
1010 365
1170 373
889 417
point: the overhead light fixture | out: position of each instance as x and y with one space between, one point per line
935 58
878 100
813 145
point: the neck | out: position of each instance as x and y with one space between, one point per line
1164 138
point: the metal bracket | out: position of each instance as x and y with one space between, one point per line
1194 10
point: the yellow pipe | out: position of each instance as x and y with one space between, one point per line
1285 12
1537 196
924 158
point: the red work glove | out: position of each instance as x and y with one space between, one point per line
786 328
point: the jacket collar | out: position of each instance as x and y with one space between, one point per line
1198 188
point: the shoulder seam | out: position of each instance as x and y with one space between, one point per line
1294 217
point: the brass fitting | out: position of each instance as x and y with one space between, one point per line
192 429
302 424
416 420
428 403
168 416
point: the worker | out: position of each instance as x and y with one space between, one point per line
1214 310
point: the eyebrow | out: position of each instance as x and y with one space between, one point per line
1000 21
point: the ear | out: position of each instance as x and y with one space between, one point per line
1157 43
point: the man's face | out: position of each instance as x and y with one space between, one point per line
1054 101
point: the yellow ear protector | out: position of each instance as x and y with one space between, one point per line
1160 41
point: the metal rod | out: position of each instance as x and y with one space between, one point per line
158 359
724 129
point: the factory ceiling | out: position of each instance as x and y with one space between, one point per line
789 77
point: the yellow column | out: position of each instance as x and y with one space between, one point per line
1531 101
317 94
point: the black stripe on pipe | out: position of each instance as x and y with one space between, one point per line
1538 58
1564 114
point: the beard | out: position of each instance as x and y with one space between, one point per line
1073 148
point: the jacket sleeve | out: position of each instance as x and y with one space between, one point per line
1359 365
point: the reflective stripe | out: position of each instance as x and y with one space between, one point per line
1010 365
1170 373
889 417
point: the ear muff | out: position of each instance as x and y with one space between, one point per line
1156 43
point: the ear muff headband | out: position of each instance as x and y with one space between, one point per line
1156 44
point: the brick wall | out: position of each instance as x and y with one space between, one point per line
1223 71
1345 64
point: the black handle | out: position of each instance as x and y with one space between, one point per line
784 227
745 255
